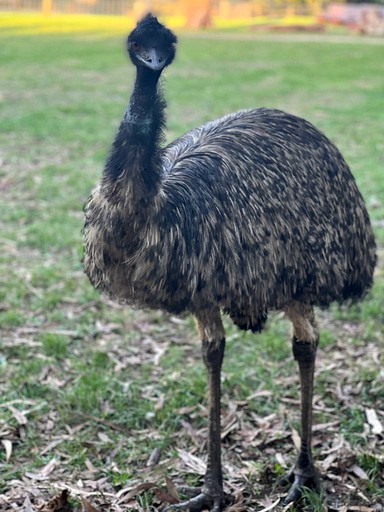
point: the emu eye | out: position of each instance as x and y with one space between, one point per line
135 46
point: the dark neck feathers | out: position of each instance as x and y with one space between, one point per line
133 164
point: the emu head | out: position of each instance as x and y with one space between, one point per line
151 44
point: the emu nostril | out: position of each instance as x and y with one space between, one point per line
153 60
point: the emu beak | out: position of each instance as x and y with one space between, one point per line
153 59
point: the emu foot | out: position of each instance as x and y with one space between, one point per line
299 479
207 498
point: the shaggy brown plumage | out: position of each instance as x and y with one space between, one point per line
252 210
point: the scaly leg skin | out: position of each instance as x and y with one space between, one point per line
307 478
304 473
211 495
304 346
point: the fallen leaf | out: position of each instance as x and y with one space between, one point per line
164 497
280 460
238 505
27 505
35 476
19 416
8 448
360 508
145 486
48 468
336 446
373 420
52 445
44 472
154 457
363 496
193 463
320 427
296 439
257 394
90 466
233 425
103 437
360 473
172 490
270 506
87 507
328 461
186 410
57 504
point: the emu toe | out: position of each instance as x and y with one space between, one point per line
201 499
299 479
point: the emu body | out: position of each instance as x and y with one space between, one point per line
252 212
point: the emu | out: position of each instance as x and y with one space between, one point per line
253 212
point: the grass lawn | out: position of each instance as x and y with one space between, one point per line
96 398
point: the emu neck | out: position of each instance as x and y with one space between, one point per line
140 112
132 170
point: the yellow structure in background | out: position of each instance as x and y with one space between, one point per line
37 23
189 13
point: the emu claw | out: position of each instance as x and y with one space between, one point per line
308 478
198 501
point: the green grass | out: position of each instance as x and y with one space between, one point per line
80 366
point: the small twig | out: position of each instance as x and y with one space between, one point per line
106 423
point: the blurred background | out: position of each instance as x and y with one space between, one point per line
366 17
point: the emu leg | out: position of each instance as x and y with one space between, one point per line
304 346
213 356
211 495
304 473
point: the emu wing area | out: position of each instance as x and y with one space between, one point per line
261 209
